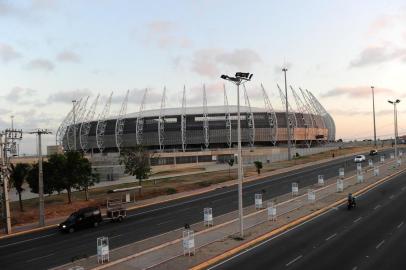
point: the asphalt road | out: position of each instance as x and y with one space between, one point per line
372 236
49 248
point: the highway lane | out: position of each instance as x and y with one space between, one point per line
369 237
49 248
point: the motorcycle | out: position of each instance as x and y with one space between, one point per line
351 203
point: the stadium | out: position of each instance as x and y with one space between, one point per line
196 128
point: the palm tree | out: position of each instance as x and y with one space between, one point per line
18 175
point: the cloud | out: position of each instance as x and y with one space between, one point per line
378 55
40 64
8 53
209 62
166 34
20 95
68 56
68 96
356 92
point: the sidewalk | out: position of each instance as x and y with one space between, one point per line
166 251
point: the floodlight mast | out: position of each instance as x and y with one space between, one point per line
395 121
239 79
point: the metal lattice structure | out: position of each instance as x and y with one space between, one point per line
228 118
291 116
309 107
327 119
139 128
119 129
70 140
161 121
271 116
205 120
86 124
102 123
250 119
319 119
305 116
183 120
61 132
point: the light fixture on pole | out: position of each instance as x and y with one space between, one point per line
373 111
287 115
395 121
240 78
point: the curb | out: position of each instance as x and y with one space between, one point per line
288 226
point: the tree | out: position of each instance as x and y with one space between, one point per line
32 178
230 164
18 175
136 163
258 166
86 178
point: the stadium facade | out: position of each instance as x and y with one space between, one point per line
196 128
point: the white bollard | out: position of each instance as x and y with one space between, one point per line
271 211
340 185
392 155
399 162
360 178
370 163
376 170
320 180
382 159
258 201
311 195
400 153
208 216
295 189
103 252
188 242
359 167
341 173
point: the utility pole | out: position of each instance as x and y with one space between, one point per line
395 122
74 124
39 132
7 139
287 115
373 110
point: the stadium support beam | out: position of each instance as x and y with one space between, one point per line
139 127
205 120
250 119
291 117
305 115
161 122
71 130
119 128
183 120
61 132
271 116
327 119
227 117
102 123
309 107
319 119
85 125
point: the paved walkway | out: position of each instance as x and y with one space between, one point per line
165 249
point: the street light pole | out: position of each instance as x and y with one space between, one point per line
240 78
395 122
39 132
287 115
373 111
74 124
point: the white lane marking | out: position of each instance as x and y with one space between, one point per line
376 207
392 196
400 225
164 222
294 260
331 236
115 236
380 244
355 268
39 258
358 219
27 240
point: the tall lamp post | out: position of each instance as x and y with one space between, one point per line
74 124
373 111
395 121
287 115
240 78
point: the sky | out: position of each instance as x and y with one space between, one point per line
54 51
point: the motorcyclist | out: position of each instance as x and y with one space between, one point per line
351 201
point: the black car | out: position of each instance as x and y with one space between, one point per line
83 218
373 152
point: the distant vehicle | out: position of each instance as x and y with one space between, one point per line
359 158
373 152
83 218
